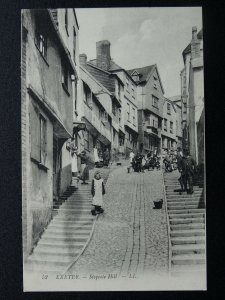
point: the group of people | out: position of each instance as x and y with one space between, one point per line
170 161
97 186
139 162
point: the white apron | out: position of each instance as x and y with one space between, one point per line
98 197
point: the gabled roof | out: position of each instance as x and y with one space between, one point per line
145 73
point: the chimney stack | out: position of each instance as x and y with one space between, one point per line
103 54
195 44
83 59
194 33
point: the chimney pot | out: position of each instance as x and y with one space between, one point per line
83 59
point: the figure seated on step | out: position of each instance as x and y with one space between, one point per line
97 190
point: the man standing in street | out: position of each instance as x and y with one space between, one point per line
179 167
188 169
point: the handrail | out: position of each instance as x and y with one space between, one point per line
168 227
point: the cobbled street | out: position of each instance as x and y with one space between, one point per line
131 236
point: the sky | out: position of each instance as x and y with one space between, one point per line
141 37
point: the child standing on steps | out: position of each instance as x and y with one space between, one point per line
97 190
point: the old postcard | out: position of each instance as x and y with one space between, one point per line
113 152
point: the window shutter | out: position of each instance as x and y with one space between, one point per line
34 133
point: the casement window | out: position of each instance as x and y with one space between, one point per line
171 127
43 139
114 109
155 101
128 112
41 41
65 77
87 95
74 44
119 90
119 116
133 116
155 82
155 123
66 21
75 95
165 124
38 128
127 85
103 116
132 88
168 109
135 77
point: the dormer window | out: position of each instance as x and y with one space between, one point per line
136 76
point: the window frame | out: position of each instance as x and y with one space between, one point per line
128 112
65 78
66 21
168 109
171 127
154 98
74 44
165 127
43 137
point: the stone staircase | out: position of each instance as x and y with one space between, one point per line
69 230
187 227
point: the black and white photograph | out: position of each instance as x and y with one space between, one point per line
113 149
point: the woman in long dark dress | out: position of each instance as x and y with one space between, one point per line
84 173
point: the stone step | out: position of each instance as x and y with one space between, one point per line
172 192
183 202
187 259
52 251
65 239
63 233
40 268
67 232
187 233
76 206
186 215
185 196
53 262
188 268
187 226
182 207
50 257
57 244
178 187
74 218
182 221
187 240
188 249
73 210
69 212
58 221
69 226
186 211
